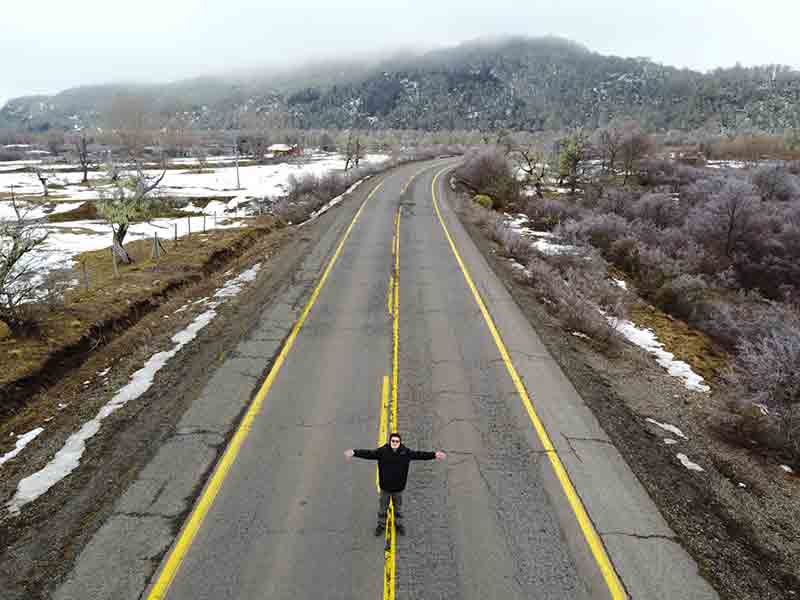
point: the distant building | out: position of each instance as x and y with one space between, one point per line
284 150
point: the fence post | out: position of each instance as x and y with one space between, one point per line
86 275
114 262
189 227
175 225
204 223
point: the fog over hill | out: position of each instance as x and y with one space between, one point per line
512 83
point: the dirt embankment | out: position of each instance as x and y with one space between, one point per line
89 316
740 517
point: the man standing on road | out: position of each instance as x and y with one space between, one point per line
393 461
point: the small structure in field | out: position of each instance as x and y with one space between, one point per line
278 150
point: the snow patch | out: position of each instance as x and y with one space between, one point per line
667 427
688 463
19 446
647 340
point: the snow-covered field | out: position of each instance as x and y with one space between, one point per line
68 239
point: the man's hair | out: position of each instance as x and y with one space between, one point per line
395 435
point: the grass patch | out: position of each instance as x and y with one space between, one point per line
689 345
87 317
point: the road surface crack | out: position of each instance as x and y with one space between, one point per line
640 536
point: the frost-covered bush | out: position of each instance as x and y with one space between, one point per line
776 183
510 239
487 171
546 213
599 230
682 296
663 210
766 371
617 201
567 296
724 222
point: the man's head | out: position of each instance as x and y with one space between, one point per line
394 441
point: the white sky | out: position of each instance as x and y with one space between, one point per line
50 45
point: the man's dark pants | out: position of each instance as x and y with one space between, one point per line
383 507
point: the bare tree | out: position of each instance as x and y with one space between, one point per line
572 159
724 221
634 147
534 165
42 176
19 237
354 151
609 142
128 201
200 154
84 159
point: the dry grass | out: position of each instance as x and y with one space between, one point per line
110 302
688 345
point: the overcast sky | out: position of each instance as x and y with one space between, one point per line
49 45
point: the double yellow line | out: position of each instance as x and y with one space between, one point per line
592 539
389 554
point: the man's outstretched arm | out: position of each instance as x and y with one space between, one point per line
422 455
361 453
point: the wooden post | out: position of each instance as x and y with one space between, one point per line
204 223
189 227
114 262
86 274
176 233
156 252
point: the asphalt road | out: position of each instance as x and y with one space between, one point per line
293 519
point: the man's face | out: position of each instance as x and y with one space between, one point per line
394 443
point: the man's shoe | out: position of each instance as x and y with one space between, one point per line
379 530
401 530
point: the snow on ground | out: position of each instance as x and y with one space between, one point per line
34 211
726 164
22 441
255 181
66 240
68 458
688 463
667 427
543 241
647 340
787 468
621 283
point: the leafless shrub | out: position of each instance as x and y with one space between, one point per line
663 210
599 230
19 238
776 183
546 213
570 296
682 296
766 371
488 172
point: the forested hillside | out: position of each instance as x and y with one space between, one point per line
521 84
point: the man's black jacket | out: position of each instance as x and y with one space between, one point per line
393 465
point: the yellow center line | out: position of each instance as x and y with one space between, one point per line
382 432
592 539
201 509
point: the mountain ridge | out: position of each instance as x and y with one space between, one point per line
513 83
